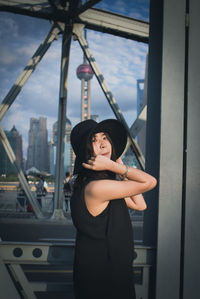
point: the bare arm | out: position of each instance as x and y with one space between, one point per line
135 202
104 190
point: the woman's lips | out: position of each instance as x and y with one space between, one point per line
105 154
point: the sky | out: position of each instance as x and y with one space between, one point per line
121 61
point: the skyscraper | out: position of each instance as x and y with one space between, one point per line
15 140
129 157
95 117
140 90
141 102
68 155
38 149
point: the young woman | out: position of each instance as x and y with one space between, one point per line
99 209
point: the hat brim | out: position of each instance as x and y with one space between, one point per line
85 129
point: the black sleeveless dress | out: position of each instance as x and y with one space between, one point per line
103 251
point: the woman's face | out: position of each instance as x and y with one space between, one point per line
101 145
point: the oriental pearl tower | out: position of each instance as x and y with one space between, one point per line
85 74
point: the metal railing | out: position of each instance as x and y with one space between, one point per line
20 261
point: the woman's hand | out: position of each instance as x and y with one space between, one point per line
98 163
136 202
119 160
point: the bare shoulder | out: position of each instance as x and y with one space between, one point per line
95 187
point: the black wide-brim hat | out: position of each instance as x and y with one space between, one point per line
82 131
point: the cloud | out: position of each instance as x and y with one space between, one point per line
138 9
121 62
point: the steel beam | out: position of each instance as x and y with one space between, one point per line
191 206
86 5
22 179
165 140
58 201
139 122
115 24
20 277
24 4
6 284
45 253
77 31
28 70
137 126
95 19
14 254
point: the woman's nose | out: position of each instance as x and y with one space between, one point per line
102 144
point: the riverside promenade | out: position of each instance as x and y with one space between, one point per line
17 224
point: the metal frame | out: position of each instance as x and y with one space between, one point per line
29 69
171 222
165 139
95 19
98 19
21 176
58 206
7 287
191 206
57 254
112 23
9 99
78 32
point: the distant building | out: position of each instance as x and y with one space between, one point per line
15 140
38 149
140 89
85 74
129 157
68 155
141 137
95 117
141 103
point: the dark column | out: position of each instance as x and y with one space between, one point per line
191 263
165 139
58 204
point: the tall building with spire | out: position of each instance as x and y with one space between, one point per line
38 149
85 74
15 140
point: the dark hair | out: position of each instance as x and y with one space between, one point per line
92 174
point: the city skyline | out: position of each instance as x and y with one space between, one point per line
15 140
50 140
38 148
39 97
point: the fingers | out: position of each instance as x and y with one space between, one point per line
86 166
98 162
119 160
91 160
90 163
